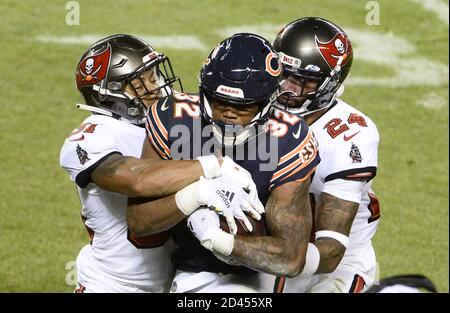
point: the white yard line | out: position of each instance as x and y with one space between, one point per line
384 49
439 7
398 54
158 42
433 101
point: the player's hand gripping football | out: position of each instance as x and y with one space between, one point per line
229 200
242 178
221 195
205 226
235 173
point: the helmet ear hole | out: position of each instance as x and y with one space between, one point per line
115 86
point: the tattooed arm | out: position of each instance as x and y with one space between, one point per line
288 218
337 215
149 177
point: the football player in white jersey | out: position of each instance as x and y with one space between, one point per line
316 56
120 77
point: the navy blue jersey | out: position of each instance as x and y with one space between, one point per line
281 151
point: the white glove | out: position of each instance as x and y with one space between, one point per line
221 195
205 226
234 172
210 165
242 178
229 200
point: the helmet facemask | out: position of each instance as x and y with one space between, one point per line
241 71
162 74
328 88
137 91
231 134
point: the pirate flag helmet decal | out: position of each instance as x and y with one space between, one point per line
334 49
93 69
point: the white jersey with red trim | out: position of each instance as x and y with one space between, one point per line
348 142
114 252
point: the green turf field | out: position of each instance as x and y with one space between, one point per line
399 78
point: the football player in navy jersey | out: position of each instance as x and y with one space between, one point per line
232 115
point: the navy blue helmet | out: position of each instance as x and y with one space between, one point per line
242 70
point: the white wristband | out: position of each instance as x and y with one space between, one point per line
224 243
312 261
187 198
344 240
210 165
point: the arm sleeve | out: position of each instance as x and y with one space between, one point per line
81 156
299 160
350 190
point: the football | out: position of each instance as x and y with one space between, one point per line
259 227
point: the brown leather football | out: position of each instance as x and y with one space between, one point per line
259 227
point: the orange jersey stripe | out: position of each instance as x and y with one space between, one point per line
160 141
159 124
296 150
305 177
299 180
150 137
292 166
285 169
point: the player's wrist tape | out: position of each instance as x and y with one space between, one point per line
187 198
344 240
312 261
224 243
210 165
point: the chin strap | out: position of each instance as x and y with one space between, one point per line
93 109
